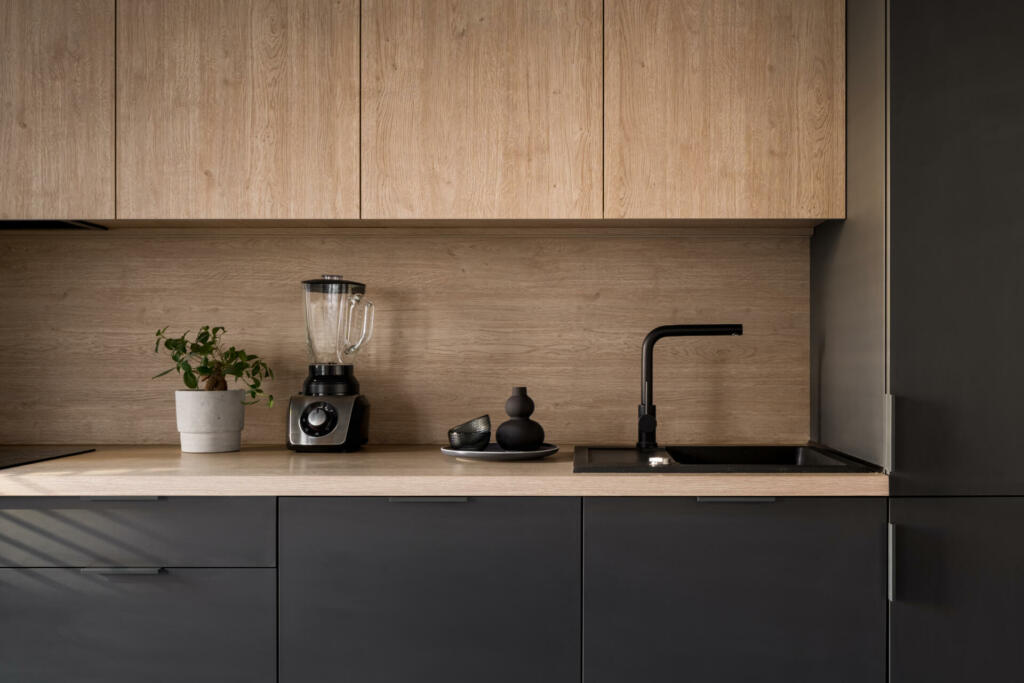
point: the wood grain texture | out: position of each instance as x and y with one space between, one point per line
724 108
481 109
57 109
584 226
385 471
238 109
459 323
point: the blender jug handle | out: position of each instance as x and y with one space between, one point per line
367 333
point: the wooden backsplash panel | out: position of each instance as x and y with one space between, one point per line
461 319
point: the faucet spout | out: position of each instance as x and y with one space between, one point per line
647 424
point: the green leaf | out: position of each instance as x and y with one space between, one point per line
201 358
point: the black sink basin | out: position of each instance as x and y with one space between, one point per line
800 458
791 456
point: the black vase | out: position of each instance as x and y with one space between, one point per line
520 433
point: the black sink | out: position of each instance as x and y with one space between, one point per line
799 458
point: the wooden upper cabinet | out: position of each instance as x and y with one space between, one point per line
481 109
240 109
56 109
725 109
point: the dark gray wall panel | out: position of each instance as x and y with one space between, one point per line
957 246
195 625
848 354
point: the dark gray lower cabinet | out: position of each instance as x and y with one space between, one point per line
788 590
63 625
959 590
190 531
430 590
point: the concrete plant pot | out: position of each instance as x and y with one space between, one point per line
210 421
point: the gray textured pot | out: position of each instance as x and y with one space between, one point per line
210 421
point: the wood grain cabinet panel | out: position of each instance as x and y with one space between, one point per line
238 109
56 109
724 109
476 109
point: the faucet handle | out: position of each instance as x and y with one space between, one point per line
647 427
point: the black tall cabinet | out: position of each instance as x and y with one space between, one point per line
956 335
957 246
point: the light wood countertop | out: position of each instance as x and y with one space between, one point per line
384 471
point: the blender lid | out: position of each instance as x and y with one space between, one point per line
334 284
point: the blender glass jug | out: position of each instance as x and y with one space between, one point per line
339 321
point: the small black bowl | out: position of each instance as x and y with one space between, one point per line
471 436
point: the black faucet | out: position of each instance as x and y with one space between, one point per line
647 426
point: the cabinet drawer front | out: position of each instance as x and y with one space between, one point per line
137 532
413 589
769 590
958 593
59 625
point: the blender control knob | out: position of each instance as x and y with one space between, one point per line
317 417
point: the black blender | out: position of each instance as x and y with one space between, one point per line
330 414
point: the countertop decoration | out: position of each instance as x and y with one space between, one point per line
519 432
211 420
471 436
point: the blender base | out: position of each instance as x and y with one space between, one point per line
328 424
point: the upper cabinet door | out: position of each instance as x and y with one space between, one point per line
481 109
725 109
57 109
955 253
242 109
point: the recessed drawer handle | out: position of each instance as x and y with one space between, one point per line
119 499
428 499
735 499
124 571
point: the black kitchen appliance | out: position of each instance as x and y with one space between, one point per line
330 414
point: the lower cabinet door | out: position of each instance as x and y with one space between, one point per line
959 590
430 590
133 625
788 590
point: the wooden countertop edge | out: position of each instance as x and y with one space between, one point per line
463 485
413 470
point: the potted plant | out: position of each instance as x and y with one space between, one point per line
210 419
